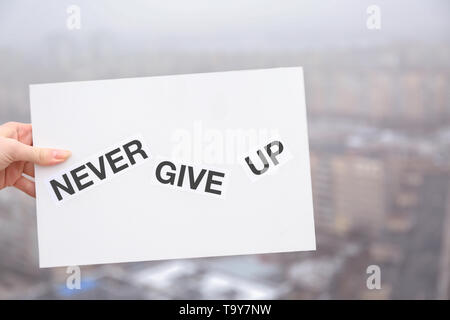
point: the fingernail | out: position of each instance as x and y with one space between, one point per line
61 154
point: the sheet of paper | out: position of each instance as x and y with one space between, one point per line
176 166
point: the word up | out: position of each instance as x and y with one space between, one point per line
260 164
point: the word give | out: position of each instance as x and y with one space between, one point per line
168 173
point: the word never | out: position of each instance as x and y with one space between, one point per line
81 174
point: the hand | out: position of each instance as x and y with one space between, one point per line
18 156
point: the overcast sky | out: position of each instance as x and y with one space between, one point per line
232 24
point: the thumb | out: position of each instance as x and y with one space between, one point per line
41 156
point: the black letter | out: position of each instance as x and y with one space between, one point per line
181 177
252 166
78 179
67 188
139 150
210 181
113 161
194 183
272 154
171 176
99 173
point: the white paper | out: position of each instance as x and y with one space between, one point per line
205 122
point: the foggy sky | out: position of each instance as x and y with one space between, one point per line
231 24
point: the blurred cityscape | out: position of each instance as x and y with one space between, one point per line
379 130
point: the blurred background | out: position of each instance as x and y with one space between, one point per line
378 104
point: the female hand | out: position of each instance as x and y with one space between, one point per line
18 156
